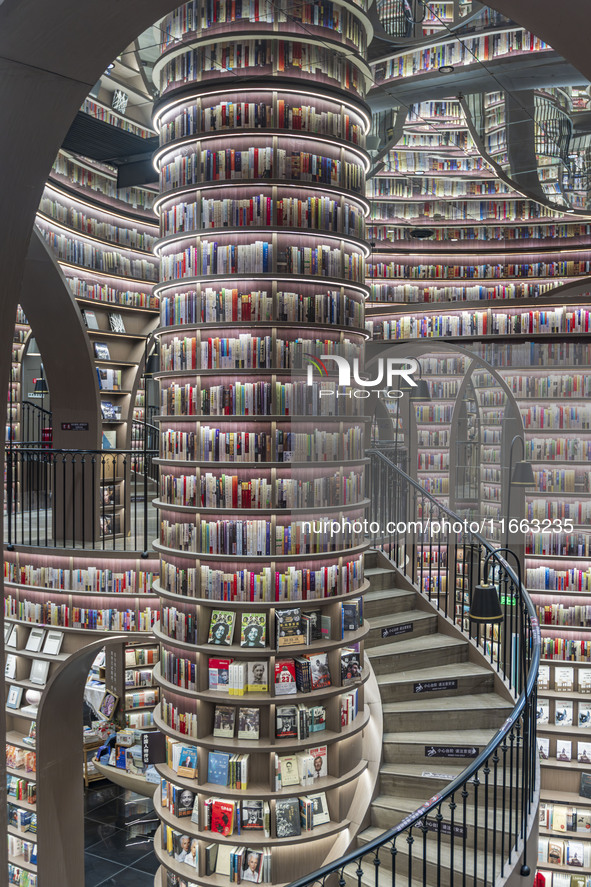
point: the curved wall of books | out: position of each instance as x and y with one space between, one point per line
262 170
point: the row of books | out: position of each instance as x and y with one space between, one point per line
20 819
553 579
209 257
561 354
561 480
238 537
246 351
459 52
564 713
21 877
112 295
317 213
413 162
564 614
124 232
276 56
93 579
18 848
20 758
212 444
553 385
80 617
564 750
565 649
561 544
258 399
469 210
558 234
211 306
576 853
291 584
232 491
141 698
249 164
38 639
78 252
576 512
184 722
485 270
212 13
101 112
99 180
472 323
322 262
38 670
21 789
228 115
420 187
561 818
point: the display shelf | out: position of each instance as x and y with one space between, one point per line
129 781
268 247
495 47
261 790
253 839
104 246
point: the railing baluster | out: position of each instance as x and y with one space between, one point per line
464 832
476 782
452 837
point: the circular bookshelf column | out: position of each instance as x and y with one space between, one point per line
262 169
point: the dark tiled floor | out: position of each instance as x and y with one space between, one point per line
119 829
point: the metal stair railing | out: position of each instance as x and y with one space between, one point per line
475 830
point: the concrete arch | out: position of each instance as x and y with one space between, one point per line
59 765
59 330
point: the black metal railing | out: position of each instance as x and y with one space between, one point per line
36 423
145 436
95 499
475 830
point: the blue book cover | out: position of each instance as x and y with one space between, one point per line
218 763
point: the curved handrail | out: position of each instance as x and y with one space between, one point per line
518 730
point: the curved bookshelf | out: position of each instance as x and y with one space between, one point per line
262 264
103 239
69 583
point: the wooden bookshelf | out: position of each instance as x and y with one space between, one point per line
262 261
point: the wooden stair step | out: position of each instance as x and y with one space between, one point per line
387 812
413 747
393 599
469 678
433 776
431 854
380 577
434 649
471 702
420 622
483 710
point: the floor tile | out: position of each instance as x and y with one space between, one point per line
94 798
118 848
97 870
129 877
95 831
148 863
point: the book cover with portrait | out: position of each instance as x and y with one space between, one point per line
253 630
221 627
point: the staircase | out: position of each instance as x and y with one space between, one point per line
409 645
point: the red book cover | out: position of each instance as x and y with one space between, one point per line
285 682
222 817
